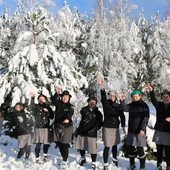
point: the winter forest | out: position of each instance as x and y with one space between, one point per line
40 49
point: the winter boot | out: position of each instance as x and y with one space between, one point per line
159 166
64 165
82 161
132 163
142 163
106 166
93 166
38 161
45 158
115 162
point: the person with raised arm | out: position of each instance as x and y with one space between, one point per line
63 125
113 115
162 126
42 113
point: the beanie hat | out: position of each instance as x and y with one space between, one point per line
134 92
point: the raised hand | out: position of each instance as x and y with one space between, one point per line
58 89
121 95
148 87
32 94
100 83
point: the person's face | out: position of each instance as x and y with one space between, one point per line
112 96
136 97
65 98
92 104
41 100
19 107
166 99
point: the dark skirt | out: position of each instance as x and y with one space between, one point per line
161 138
136 140
63 135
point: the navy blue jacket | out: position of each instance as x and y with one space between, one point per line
138 116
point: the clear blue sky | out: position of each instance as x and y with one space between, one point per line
150 6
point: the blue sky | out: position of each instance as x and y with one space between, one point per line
150 6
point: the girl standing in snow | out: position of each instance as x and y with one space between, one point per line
112 113
63 125
23 127
137 123
162 127
42 113
91 122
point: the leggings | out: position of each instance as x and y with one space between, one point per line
38 148
93 156
26 150
106 153
63 147
160 149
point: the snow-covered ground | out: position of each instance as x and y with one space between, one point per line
9 149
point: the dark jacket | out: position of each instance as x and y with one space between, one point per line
91 122
23 122
112 112
42 118
63 111
162 112
138 116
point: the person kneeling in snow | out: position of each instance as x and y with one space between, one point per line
91 122
23 127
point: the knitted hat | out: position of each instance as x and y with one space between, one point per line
136 92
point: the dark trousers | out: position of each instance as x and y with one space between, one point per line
64 150
106 153
38 148
93 156
26 150
140 153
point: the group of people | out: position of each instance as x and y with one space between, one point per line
61 130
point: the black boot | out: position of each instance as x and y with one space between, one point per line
142 163
132 163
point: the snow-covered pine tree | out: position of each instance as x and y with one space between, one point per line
137 72
159 55
71 43
110 44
